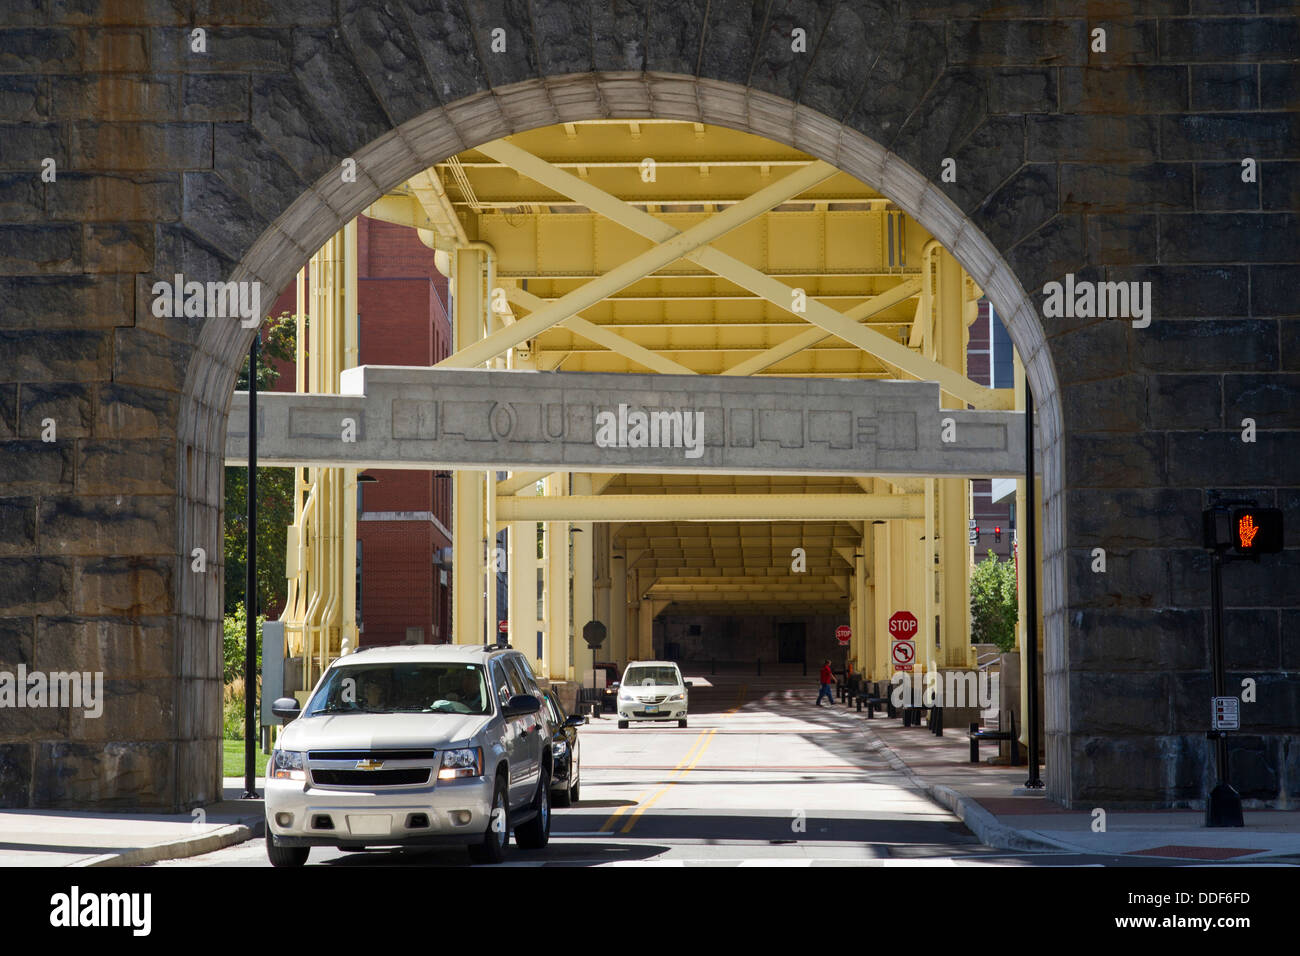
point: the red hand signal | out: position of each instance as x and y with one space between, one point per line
1247 529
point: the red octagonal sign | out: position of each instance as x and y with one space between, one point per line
843 634
902 626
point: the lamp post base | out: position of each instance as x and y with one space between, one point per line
1223 809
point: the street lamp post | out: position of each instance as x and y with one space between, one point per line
250 587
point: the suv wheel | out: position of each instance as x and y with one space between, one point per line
622 725
682 722
285 855
536 833
493 847
573 790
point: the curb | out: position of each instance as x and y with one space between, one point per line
979 821
218 839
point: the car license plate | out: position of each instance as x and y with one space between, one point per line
369 824
651 709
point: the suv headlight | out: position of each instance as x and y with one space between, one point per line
288 765
559 748
461 763
624 696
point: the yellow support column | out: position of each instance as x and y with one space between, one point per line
954 552
882 574
521 589
557 587
645 630
617 643
351 358
584 606
469 508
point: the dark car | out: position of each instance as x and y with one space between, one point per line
565 750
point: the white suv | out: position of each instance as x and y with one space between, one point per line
421 744
652 690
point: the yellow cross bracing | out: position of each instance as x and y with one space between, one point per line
692 268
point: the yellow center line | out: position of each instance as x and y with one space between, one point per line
608 825
741 697
708 739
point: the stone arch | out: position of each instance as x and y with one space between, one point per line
279 251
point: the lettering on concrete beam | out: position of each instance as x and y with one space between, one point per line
1098 300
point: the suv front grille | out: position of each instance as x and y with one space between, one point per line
402 777
370 754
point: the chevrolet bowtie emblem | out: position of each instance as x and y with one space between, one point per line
369 764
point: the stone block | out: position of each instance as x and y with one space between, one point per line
1251 639
1290 640
1119 240
106 12
1206 345
145 359
1166 517
1094 351
1224 87
115 50
69 405
132 466
38 51
121 648
139 710
123 587
90 197
519 61
1111 404
82 303
951 110
1133 578
119 247
1123 89
777 68
1130 461
99 525
130 411
1138 639
229 50
24 98
35 585
15 775
1272 400
33 249
106 775
1121 702
141 146
449 45
55 355
1279 86
1116 188
1190 291
1184 401
1023 90
8 411
988 42
897 81
214 97
22 198
1277 709
91 96
382 46
1021 205
1273 290
1229 136
24 146
1141 771
1280 186
1048 253
1219 188
1220 458
1253 766
1091 137
36 466
1231 39
17 642
225 219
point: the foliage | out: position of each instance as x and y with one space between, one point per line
993 603
233 628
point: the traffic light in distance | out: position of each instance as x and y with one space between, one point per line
997 533
1256 530
977 534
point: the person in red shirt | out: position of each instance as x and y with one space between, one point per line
828 680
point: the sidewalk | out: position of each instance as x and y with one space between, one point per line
982 796
77 838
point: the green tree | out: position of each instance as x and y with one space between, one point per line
274 494
993 604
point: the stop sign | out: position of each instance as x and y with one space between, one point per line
902 625
843 633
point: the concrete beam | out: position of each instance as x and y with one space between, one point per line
513 420
709 507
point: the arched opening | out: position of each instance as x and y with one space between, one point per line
431 138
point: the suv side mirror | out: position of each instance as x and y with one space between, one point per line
688 685
286 708
521 705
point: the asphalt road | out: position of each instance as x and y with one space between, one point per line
760 777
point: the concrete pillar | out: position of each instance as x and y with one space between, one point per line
584 606
557 587
469 560
617 609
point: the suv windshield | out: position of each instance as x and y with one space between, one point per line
424 687
651 676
